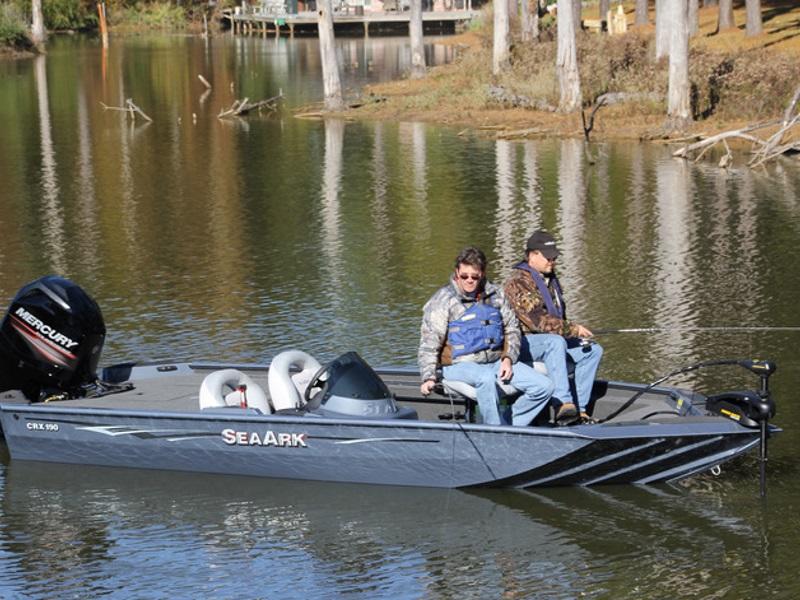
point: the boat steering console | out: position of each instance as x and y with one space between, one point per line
348 387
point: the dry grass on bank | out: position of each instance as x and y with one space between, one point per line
735 79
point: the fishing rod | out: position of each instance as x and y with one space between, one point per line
722 328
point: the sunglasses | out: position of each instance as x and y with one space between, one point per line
465 276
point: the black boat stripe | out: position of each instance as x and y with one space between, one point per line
651 452
582 477
552 471
679 451
600 462
726 444
590 452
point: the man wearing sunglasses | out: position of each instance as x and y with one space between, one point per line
535 294
469 328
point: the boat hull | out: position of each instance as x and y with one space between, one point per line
407 452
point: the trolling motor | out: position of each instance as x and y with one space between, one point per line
748 408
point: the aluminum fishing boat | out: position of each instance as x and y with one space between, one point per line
342 421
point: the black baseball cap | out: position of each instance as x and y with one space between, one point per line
544 243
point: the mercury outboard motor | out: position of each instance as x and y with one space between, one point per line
50 340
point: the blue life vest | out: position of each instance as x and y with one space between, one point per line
479 328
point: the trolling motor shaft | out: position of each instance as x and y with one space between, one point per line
766 409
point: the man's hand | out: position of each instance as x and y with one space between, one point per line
506 371
584 332
427 386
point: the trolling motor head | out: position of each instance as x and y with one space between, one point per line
50 339
748 408
762 368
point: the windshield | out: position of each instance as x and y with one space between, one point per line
350 376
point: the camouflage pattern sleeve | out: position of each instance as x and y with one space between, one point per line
432 334
529 306
512 337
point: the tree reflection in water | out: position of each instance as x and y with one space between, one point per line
220 531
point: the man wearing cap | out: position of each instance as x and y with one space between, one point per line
535 294
469 329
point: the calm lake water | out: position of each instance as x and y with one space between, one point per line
233 239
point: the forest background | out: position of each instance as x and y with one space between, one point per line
735 78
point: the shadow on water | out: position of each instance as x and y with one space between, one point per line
100 529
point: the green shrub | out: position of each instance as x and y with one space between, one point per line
13 29
149 16
69 14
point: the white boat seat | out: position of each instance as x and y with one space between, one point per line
464 389
470 394
230 387
287 389
505 389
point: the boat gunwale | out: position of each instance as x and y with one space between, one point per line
578 431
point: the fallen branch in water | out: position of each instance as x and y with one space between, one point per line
242 107
775 145
782 141
518 133
129 108
706 144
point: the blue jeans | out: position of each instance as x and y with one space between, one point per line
536 390
554 351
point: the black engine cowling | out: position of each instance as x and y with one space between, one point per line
50 339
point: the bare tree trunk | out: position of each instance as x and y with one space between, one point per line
603 10
641 13
678 104
38 33
662 28
538 12
576 6
332 83
502 37
513 9
707 3
725 20
526 17
694 22
567 58
417 46
754 24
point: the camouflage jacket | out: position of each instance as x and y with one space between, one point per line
449 304
528 304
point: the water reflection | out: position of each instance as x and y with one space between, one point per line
674 252
233 239
572 219
330 212
340 539
87 201
533 187
53 217
505 156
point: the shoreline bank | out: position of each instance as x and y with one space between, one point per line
736 81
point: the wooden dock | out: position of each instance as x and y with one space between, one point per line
255 22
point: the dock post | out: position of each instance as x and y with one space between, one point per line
291 30
366 28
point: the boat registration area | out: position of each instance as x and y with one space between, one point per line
349 16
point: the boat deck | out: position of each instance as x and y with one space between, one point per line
175 389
